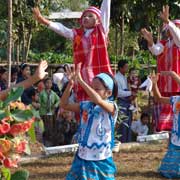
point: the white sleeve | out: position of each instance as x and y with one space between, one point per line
105 14
144 133
175 32
61 30
156 49
121 91
134 126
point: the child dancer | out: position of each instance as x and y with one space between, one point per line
89 42
97 119
168 53
170 165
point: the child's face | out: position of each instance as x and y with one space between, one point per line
144 120
48 84
67 115
35 97
14 76
26 72
133 73
98 86
89 20
4 76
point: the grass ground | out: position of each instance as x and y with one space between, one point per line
138 163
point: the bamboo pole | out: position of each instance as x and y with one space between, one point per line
9 50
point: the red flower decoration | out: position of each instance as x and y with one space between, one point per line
85 116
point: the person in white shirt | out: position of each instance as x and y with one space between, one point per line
124 101
168 59
140 127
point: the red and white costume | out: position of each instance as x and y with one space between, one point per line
89 46
168 59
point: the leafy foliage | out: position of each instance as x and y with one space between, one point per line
51 57
15 120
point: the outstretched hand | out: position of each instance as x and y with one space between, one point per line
147 35
154 78
40 72
164 14
37 13
39 17
72 74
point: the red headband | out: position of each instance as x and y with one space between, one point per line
92 9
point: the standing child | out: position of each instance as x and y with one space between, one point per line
96 132
38 125
89 42
49 101
133 83
170 165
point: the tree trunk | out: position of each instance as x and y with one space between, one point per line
29 37
17 51
122 34
23 43
9 50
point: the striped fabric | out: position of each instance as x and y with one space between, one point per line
92 9
163 114
96 170
92 52
162 117
169 60
170 165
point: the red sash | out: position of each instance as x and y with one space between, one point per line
92 52
169 60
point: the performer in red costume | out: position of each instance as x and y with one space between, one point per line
168 59
89 42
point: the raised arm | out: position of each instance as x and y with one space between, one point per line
64 103
56 27
39 74
105 14
174 30
173 74
155 49
157 94
38 16
75 107
93 95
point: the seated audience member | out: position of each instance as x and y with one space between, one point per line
25 73
14 75
140 127
3 79
66 127
38 75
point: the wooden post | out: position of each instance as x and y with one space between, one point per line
9 50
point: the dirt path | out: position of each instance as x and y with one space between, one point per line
138 163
